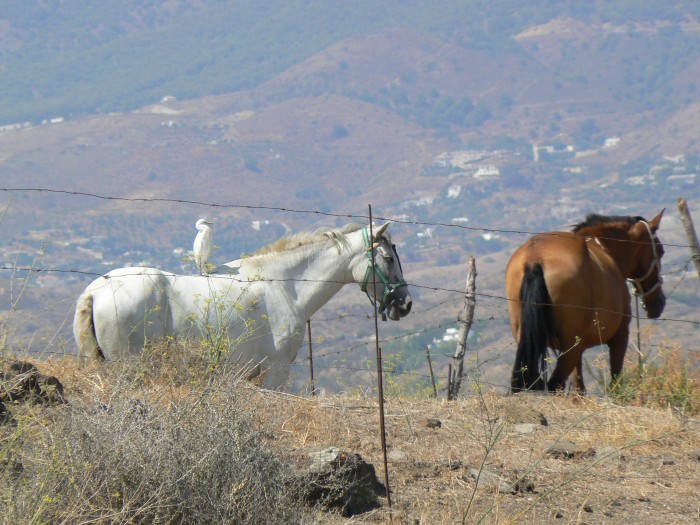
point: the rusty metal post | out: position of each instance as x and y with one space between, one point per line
639 332
380 372
311 359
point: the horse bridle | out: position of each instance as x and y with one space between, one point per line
637 281
389 287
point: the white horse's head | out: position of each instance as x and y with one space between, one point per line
391 289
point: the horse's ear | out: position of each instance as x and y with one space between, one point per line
654 223
379 231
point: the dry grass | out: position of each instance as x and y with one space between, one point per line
637 465
644 471
667 378
142 445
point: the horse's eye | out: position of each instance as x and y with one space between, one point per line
388 257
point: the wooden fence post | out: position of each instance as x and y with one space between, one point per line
690 233
466 319
430 367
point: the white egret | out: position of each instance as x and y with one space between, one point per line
202 245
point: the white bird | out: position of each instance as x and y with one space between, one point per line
202 245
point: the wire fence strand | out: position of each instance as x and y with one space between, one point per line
362 216
454 295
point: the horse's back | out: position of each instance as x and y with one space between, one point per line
583 282
563 259
216 302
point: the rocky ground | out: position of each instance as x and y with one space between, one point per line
485 458
505 459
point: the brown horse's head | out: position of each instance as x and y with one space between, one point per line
646 272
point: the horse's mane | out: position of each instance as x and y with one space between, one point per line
296 240
595 220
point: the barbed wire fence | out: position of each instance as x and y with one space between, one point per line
337 350
332 356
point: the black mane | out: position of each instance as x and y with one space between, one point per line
595 219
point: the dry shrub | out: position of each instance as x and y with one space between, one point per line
126 450
160 441
665 379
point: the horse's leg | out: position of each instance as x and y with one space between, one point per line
275 375
579 387
567 361
617 346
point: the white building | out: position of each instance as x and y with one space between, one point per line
487 172
454 191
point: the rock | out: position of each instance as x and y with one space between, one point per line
565 449
24 383
5 417
397 455
607 453
342 480
51 390
454 465
22 367
525 428
486 478
517 413
524 485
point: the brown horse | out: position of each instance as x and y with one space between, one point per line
567 291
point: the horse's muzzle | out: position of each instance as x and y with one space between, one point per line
655 307
400 307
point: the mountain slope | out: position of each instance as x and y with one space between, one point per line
470 129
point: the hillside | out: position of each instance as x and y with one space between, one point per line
471 126
626 465
129 429
68 60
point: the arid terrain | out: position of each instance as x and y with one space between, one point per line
469 126
559 459
628 465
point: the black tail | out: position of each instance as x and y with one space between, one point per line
536 330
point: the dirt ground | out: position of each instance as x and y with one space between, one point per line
539 459
592 463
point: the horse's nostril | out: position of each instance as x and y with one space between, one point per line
409 304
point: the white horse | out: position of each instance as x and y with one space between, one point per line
255 313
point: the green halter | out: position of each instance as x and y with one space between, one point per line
389 288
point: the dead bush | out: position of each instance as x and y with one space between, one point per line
131 452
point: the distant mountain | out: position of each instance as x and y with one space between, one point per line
469 60
471 122
554 97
